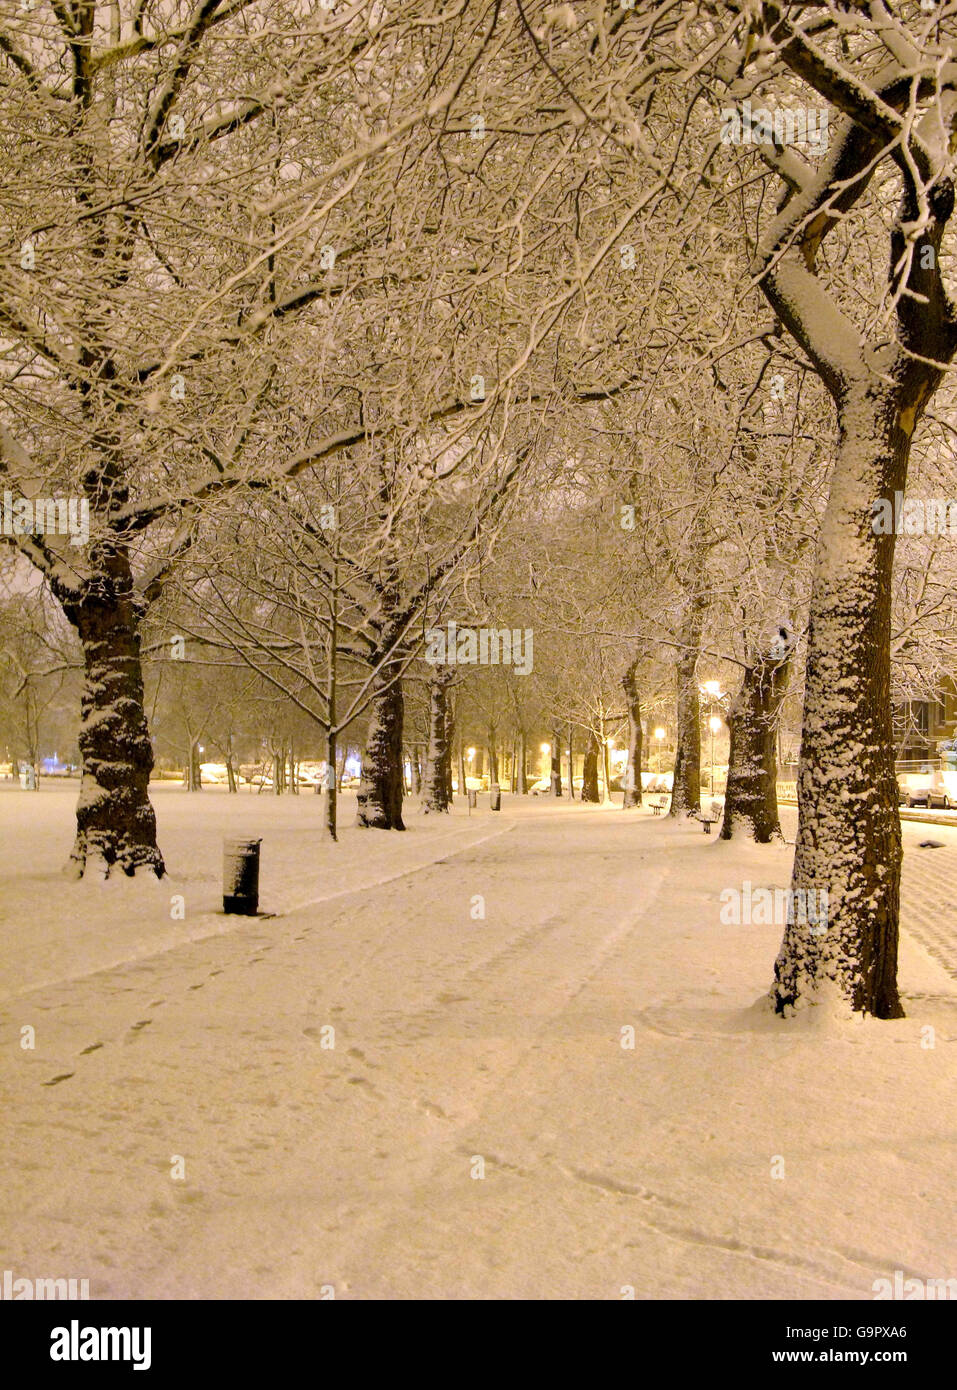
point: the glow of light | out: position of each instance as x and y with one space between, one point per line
546 747
714 723
712 688
659 733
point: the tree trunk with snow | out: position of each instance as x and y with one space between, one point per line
751 799
449 745
115 823
849 841
629 682
522 764
439 759
555 776
590 790
686 787
380 783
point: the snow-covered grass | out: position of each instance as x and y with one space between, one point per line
481 976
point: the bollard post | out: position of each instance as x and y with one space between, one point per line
473 800
241 877
496 794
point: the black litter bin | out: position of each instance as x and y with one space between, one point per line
241 877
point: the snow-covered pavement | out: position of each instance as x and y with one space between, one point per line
477 1124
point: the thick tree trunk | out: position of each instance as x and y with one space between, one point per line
629 681
751 798
686 787
115 823
380 785
571 761
439 760
590 790
849 839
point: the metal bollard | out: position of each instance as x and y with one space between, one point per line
473 799
496 794
241 877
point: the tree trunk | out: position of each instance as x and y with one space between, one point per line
230 769
686 786
462 786
629 681
380 786
751 798
492 757
523 764
590 791
556 769
331 787
115 823
571 761
439 760
849 839
449 745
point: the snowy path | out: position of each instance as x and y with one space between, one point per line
459 1039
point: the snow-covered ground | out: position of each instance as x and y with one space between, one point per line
726 1154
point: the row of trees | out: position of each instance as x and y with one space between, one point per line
346 322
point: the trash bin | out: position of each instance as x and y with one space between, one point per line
496 795
241 877
473 799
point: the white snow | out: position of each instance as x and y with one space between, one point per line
461 1042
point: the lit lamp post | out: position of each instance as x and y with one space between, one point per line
714 693
546 748
659 735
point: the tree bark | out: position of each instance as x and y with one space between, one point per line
523 764
849 839
115 822
332 786
439 760
590 791
555 775
629 681
380 785
751 798
686 785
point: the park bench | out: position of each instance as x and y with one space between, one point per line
658 804
709 817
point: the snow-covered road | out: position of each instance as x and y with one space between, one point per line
477 1128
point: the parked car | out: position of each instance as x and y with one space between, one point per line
925 789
